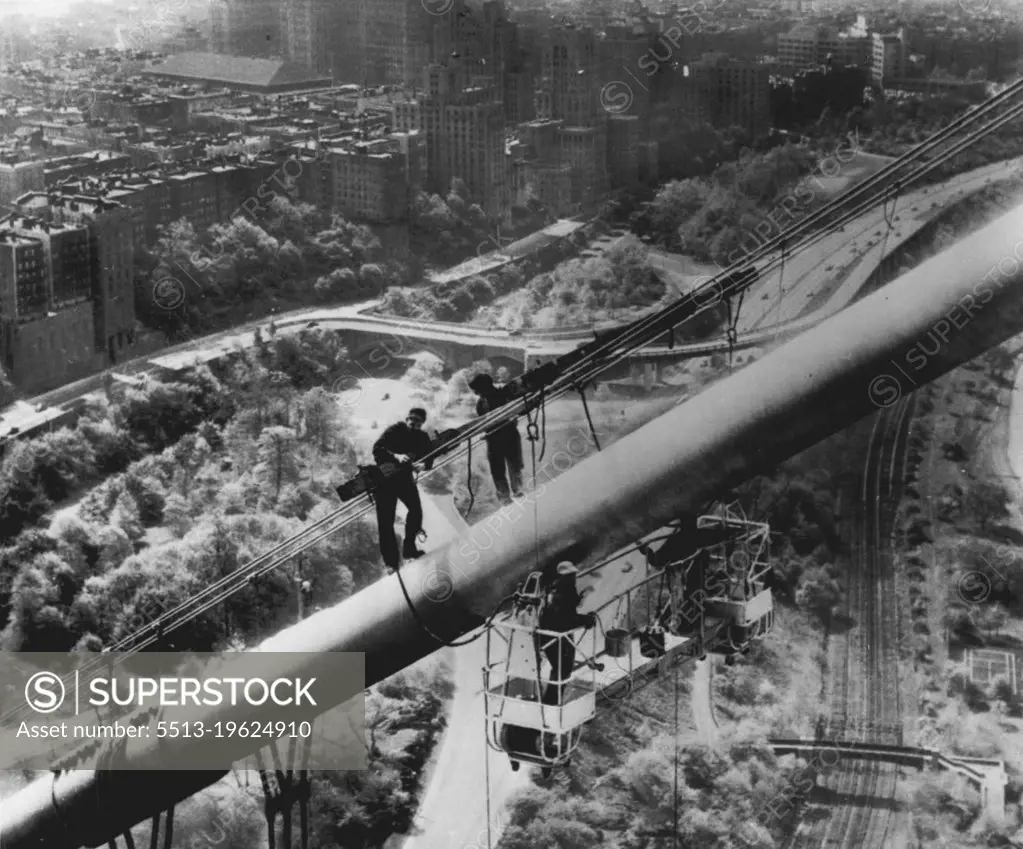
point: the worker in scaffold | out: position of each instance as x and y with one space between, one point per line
398 447
504 445
561 615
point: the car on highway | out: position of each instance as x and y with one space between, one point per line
313 324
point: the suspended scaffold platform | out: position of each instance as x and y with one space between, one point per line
702 589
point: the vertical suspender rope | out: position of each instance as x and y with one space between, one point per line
589 420
468 480
675 763
486 771
889 218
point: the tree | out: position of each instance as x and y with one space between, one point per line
990 617
818 592
39 605
319 420
277 464
341 282
986 501
125 516
175 514
190 454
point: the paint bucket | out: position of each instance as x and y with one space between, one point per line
616 642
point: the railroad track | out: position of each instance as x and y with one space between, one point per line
865 697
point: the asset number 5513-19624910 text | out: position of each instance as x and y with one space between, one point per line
234 729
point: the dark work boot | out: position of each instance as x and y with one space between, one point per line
410 551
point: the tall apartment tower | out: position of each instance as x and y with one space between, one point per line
569 92
111 242
729 93
247 28
476 32
521 71
8 43
323 36
461 117
396 38
570 81
889 56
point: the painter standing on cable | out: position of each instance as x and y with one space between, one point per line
394 452
504 445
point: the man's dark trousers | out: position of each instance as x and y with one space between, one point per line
504 451
400 488
560 653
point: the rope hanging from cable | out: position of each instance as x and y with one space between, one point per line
589 419
439 639
468 477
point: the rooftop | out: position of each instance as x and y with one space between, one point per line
238 71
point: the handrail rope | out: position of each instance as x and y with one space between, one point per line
859 189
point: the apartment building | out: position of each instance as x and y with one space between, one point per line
396 38
889 58
66 253
47 333
246 28
571 125
808 47
18 176
193 195
461 118
369 181
727 93
24 286
111 266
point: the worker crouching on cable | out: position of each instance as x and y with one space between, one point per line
561 615
504 445
398 447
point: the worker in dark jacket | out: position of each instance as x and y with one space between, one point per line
394 452
561 615
504 445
